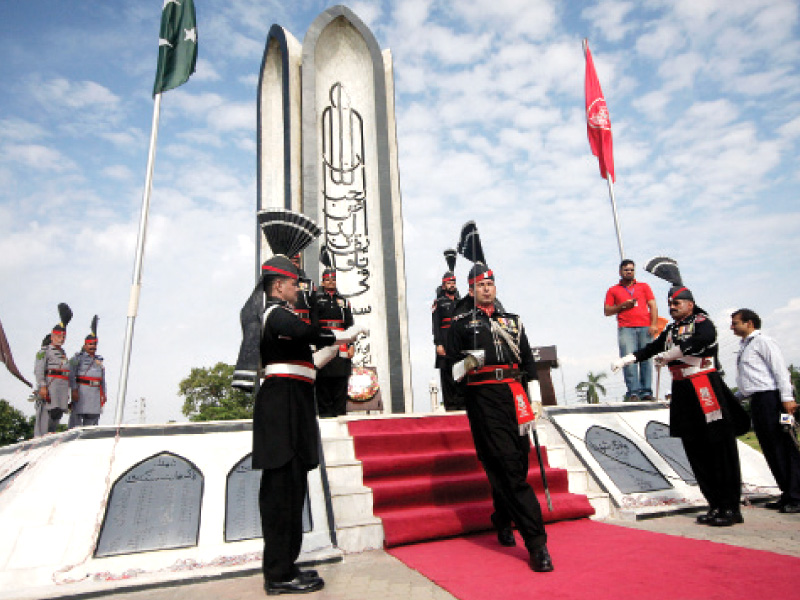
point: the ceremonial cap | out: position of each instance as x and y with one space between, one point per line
325 258
470 247
92 337
450 258
667 269
287 233
65 316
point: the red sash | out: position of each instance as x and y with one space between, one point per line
706 397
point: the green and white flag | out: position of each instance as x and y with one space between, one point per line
177 45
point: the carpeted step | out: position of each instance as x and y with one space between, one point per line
427 482
410 525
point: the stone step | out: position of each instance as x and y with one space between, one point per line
345 473
601 502
332 427
357 535
351 502
557 456
338 449
578 479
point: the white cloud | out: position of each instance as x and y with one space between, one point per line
35 156
60 93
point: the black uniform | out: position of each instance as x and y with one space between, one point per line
442 313
285 434
305 297
492 414
709 440
333 312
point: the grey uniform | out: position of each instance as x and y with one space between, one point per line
52 371
87 375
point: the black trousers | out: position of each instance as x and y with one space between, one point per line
514 499
331 396
781 453
715 462
452 398
280 501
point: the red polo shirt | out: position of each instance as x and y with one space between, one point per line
639 315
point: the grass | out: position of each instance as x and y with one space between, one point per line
751 440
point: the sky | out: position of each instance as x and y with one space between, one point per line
704 101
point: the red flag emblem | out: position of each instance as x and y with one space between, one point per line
598 123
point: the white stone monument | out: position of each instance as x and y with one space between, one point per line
327 147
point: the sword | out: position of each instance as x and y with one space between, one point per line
535 437
658 381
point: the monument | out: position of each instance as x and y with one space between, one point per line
327 147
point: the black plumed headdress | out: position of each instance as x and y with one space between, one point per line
65 316
667 269
287 234
93 330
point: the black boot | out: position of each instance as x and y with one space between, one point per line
298 585
726 518
505 534
540 559
706 518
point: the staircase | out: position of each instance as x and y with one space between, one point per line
358 529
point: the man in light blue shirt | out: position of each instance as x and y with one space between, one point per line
763 377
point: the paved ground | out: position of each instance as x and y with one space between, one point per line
377 576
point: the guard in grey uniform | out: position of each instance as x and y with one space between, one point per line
87 380
52 377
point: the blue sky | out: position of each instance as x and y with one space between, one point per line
704 98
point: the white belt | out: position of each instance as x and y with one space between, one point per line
307 372
706 365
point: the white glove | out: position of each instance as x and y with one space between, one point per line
663 358
475 359
325 355
348 336
537 409
626 360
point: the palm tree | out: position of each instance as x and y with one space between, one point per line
592 386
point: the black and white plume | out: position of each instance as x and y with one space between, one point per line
666 268
450 257
93 326
469 244
287 232
325 258
64 314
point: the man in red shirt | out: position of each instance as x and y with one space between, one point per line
637 319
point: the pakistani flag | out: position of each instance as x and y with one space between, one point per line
177 45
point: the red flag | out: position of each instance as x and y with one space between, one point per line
5 357
598 124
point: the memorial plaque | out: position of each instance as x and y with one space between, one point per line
155 505
623 461
5 482
242 517
671 450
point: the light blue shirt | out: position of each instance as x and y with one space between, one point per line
760 367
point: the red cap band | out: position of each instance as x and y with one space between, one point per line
485 275
452 278
279 271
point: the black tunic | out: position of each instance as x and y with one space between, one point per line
441 315
333 312
284 421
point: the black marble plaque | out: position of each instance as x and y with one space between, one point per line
6 481
155 505
623 461
671 450
242 517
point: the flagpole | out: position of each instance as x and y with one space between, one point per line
136 286
616 218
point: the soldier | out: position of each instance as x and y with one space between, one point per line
497 406
442 312
285 430
87 379
332 311
52 377
306 292
703 411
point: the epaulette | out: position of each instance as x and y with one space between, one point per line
461 316
700 317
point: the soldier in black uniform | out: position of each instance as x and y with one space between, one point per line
442 313
497 402
332 311
703 411
306 292
285 431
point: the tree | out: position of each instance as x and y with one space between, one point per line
209 396
592 386
794 373
14 426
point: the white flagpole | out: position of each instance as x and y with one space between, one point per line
136 286
616 219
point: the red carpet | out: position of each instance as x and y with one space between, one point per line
427 482
597 561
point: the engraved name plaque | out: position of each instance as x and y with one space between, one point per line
623 461
671 450
242 517
153 506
